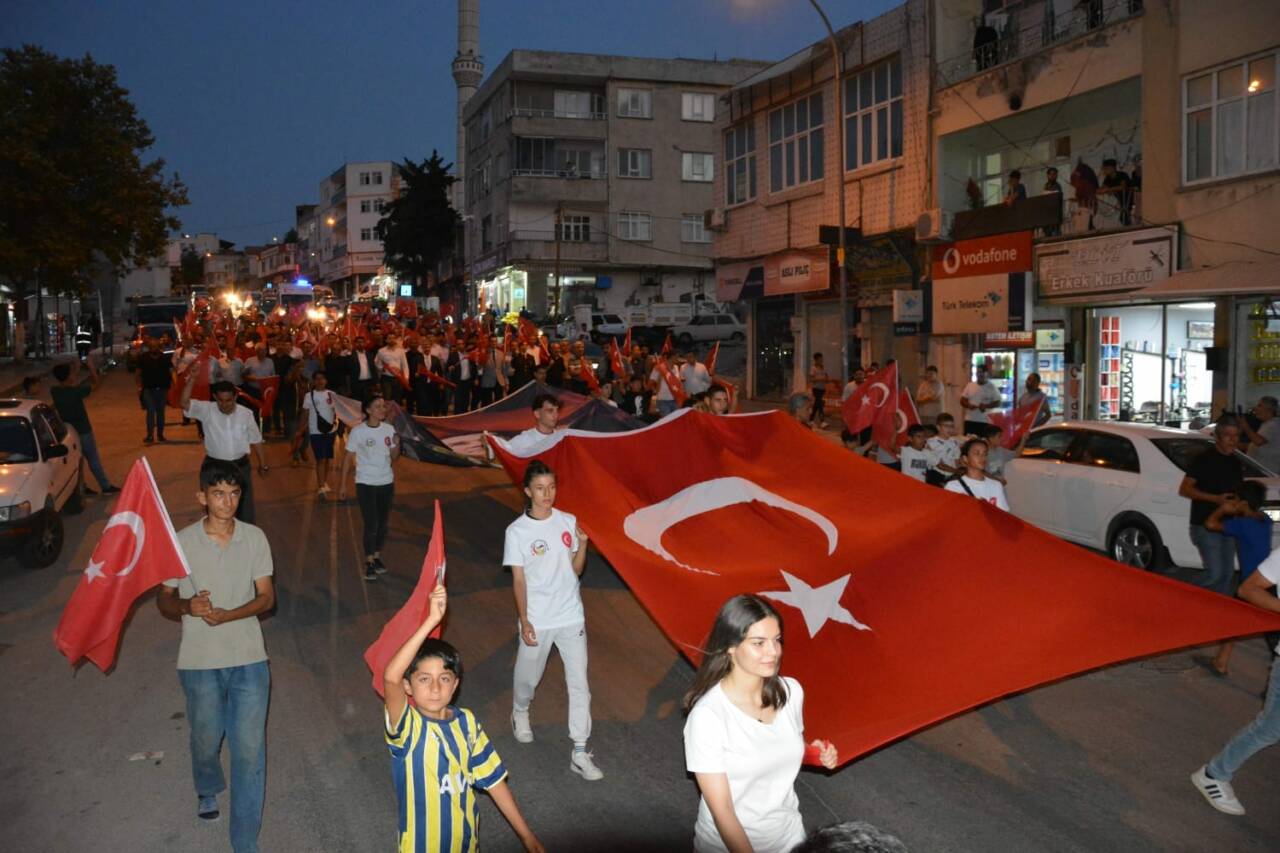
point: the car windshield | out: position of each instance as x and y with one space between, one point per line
612 319
17 444
1183 451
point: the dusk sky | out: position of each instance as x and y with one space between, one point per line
253 103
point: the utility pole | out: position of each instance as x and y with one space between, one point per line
556 289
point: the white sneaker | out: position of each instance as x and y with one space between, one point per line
582 764
1218 793
520 725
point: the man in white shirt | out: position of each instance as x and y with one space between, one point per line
546 414
390 359
662 390
1264 442
694 375
230 434
978 397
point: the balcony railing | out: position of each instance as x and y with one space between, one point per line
531 112
569 236
1032 28
570 174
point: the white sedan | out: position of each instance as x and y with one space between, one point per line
39 479
1114 486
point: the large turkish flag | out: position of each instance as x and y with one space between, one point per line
868 400
137 550
903 604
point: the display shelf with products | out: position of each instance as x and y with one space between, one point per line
1109 367
1264 346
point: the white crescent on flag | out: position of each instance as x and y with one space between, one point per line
139 528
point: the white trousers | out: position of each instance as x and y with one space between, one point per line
531 661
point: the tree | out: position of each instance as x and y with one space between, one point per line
75 190
190 270
417 229
291 236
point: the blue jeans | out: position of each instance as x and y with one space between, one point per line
666 407
155 399
231 702
1258 735
89 447
1218 552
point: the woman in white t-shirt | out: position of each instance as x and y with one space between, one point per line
974 482
744 739
321 427
374 446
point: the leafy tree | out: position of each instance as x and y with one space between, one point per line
75 191
190 269
417 229
291 236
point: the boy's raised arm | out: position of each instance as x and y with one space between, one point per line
393 676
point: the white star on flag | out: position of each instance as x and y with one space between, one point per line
94 570
816 604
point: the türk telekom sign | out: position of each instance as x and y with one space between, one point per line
999 253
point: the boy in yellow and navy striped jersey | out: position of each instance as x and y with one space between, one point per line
440 754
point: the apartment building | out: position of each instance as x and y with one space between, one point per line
306 218
226 267
588 177
272 265
778 132
352 200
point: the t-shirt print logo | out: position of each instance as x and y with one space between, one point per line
566 539
539 548
387 440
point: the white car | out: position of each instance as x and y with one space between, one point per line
1114 486
710 327
39 479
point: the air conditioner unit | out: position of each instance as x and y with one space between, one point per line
713 219
935 226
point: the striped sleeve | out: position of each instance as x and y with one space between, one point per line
399 735
485 767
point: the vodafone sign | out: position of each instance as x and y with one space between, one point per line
999 253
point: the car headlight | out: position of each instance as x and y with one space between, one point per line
15 511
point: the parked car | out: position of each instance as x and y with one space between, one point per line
39 479
710 327
1114 486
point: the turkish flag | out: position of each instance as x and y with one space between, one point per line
890 427
615 360
711 358
435 377
414 612
626 343
878 391
587 375
673 381
200 390
891 625
399 377
666 345
1015 424
270 386
137 550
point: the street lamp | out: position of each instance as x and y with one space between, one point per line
837 60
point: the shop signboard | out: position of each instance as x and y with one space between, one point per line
970 305
999 253
1110 263
1009 340
1050 339
776 275
908 306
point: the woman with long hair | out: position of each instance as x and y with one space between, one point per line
374 447
744 739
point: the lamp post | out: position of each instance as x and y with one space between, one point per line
837 60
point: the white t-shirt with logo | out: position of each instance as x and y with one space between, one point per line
914 462
760 761
984 394
372 447
544 549
319 403
943 451
987 489
530 441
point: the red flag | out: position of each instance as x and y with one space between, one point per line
711 358
544 354
626 343
399 376
137 550
697 509
673 381
615 359
587 375
879 390
414 612
406 307
435 377
349 327
200 390
667 346
270 387
890 427
1015 424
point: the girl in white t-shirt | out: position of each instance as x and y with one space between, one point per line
974 482
374 446
744 739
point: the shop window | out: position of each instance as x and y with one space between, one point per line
1149 363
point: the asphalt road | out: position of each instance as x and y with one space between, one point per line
1096 763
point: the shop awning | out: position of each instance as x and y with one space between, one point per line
1232 278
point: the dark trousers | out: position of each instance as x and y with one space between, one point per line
361 387
244 512
423 404
819 410
462 397
484 396
375 511
154 400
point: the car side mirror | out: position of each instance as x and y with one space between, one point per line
56 451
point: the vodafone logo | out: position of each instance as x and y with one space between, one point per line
951 261
1000 253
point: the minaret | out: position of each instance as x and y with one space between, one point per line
468 71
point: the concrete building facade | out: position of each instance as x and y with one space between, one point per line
587 180
351 203
777 133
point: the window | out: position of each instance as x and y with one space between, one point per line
740 163
379 205
575 229
486 234
364 179
377 179
44 435
365 205
55 422
1049 444
1229 120
795 143
635 103
1100 450
635 226
573 104
535 154
697 106
635 163
696 166
366 233
692 229
873 115
582 162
